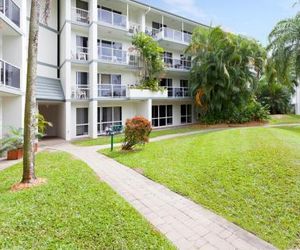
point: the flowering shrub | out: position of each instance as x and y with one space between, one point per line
137 131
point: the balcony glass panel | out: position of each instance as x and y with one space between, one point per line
112 55
112 90
112 18
11 77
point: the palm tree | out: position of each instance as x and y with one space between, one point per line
225 70
285 50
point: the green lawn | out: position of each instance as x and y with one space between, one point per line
104 140
74 210
284 119
251 176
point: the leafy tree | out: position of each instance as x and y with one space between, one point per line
150 53
225 71
285 50
30 119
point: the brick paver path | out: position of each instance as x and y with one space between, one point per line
185 223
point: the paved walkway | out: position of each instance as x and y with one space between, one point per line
185 223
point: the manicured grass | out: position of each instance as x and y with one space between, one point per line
284 119
104 140
74 210
251 176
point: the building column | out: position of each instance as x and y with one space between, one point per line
149 110
93 69
93 130
68 122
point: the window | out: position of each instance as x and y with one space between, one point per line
168 83
186 114
168 59
81 78
82 5
162 115
108 117
81 48
186 61
110 86
82 121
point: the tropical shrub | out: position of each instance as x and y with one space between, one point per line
276 96
137 131
226 69
150 53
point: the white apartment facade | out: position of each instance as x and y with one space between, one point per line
87 70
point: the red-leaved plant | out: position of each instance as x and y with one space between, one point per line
137 131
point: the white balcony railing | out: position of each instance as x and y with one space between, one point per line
80 54
81 92
9 75
178 92
10 10
112 19
80 16
177 64
116 56
166 33
112 90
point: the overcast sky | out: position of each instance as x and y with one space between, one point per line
254 18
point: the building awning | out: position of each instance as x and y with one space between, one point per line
49 89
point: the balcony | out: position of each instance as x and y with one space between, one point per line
11 11
80 16
177 64
112 91
178 92
111 19
170 38
80 54
81 92
116 56
9 76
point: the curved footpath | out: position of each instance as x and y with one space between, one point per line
185 223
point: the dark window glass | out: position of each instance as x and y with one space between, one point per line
162 111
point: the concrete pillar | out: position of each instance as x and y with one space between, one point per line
93 106
143 22
93 11
68 122
149 110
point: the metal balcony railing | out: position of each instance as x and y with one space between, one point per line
166 33
11 10
112 90
80 54
116 56
80 16
9 75
112 19
81 92
178 92
178 64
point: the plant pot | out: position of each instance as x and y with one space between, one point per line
17 154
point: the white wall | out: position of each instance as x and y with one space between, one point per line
12 112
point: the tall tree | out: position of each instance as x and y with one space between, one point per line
285 50
226 69
30 119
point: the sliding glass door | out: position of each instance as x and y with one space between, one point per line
108 117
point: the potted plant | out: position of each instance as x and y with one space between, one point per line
13 142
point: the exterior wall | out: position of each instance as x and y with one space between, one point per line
14 49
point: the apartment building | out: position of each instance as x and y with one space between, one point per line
87 69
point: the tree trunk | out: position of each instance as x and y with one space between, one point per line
30 120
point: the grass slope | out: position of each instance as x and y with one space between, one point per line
250 176
74 210
284 119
